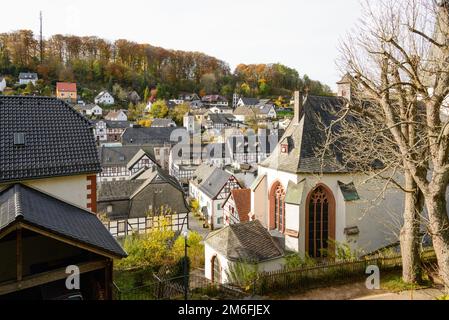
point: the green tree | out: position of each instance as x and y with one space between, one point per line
136 112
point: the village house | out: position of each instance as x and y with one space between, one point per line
121 162
2 84
188 97
140 204
220 121
109 131
27 77
221 110
244 114
237 207
215 101
115 115
67 92
104 98
163 123
47 212
310 203
90 110
246 243
211 186
248 102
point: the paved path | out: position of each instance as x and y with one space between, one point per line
196 225
419 295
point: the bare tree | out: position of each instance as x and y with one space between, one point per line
399 59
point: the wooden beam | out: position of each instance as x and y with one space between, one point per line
50 276
19 255
8 230
69 241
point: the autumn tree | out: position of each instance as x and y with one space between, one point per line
159 109
178 113
399 62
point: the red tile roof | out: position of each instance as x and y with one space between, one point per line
242 200
66 87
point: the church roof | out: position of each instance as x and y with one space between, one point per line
305 137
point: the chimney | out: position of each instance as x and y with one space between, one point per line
298 107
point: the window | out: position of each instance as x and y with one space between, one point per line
277 207
218 206
220 221
109 209
284 148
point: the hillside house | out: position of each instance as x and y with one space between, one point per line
27 77
67 92
117 115
104 98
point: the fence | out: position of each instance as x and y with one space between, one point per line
324 274
174 289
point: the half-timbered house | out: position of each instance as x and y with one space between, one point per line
211 187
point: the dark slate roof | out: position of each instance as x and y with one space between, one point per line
246 242
250 101
58 140
21 203
121 156
153 136
132 199
118 190
163 123
211 180
305 137
28 76
221 118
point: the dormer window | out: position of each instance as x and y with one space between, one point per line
284 148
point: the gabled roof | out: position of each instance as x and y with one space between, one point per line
305 137
115 124
211 180
28 76
242 200
153 136
58 140
114 114
214 98
244 111
138 156
221 118
19 203
118 190
250 101
163 123
66 87
101 94
245 242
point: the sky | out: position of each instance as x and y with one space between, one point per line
302 34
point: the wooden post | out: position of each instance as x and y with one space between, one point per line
19 254
108 281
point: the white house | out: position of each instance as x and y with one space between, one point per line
211 187
312 203
191 124
105 98
248 102
119 115
27 77
2 84
221 110
248 243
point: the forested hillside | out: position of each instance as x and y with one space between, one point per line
96 64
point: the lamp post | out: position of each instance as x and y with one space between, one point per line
186 267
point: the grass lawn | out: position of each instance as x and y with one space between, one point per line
392 282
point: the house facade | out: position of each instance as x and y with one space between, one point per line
27 77
110 131
104 98
237 207
211 187
67 92
142 203
119 115
2 84
52 222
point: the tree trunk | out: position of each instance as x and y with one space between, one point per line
409 237
439 228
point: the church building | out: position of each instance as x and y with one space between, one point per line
310 204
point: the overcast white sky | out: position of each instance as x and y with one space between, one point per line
303 34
